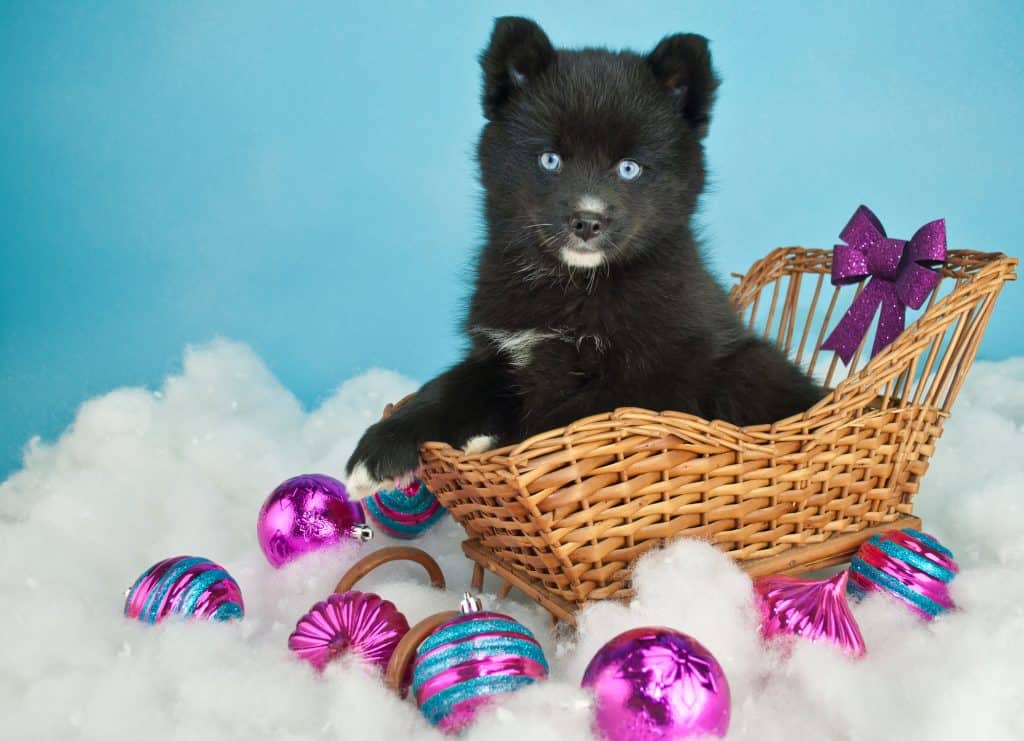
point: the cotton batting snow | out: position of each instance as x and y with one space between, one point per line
144 475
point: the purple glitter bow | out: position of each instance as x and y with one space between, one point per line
900 274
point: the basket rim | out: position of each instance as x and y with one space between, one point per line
749 437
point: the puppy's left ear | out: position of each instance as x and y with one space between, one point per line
681 64
518 53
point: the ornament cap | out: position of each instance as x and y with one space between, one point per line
470 604
361 532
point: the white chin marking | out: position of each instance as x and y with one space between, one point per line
580 259
361 484
479 444
592 204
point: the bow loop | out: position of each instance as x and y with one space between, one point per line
900 276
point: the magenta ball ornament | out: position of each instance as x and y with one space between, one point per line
908 565
657 683
812 609
187 587
361 623
308 513
469 660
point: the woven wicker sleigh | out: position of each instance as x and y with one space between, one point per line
564 515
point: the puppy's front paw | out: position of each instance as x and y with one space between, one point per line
361 483
385 453
479 444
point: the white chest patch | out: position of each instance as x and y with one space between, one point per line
518 346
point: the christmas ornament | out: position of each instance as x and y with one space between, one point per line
909 565
186 586
813 609
404 512
307 513
900 274
356 622
360 622
657 683
468 660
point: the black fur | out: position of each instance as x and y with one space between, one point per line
649 327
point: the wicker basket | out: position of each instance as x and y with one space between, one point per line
563 515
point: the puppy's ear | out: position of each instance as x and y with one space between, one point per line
517 54
681 64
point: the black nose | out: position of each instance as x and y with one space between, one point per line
587 225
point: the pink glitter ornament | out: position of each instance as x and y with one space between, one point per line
405 511
657 683
909 565
468 660
305 514
186 586
815 610
359 622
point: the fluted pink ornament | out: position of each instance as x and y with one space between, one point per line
813 609
354 622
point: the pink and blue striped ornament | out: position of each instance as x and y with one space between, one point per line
184 586
908 565
404 512
471 659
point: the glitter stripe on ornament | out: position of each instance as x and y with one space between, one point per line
467 626
916 559
444 704
870 576
166 581
491 648
199 588
930 541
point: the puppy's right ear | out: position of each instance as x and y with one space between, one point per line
519 51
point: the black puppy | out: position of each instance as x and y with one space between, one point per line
590 293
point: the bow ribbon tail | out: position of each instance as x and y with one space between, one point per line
850 331
890 323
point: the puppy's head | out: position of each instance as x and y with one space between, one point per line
591 157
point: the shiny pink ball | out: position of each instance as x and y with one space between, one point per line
305 514
657 683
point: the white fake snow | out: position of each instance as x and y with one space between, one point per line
144 475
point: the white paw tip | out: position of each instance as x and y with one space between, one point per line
479 444
361 483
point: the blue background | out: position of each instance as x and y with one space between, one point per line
300 175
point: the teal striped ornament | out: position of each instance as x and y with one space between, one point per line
468 661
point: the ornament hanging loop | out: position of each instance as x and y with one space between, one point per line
363 533
470 604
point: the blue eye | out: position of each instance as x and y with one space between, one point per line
550 161
629 170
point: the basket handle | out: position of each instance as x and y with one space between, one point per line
392 408
397 675
368 563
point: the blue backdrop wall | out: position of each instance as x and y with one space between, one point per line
300 175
